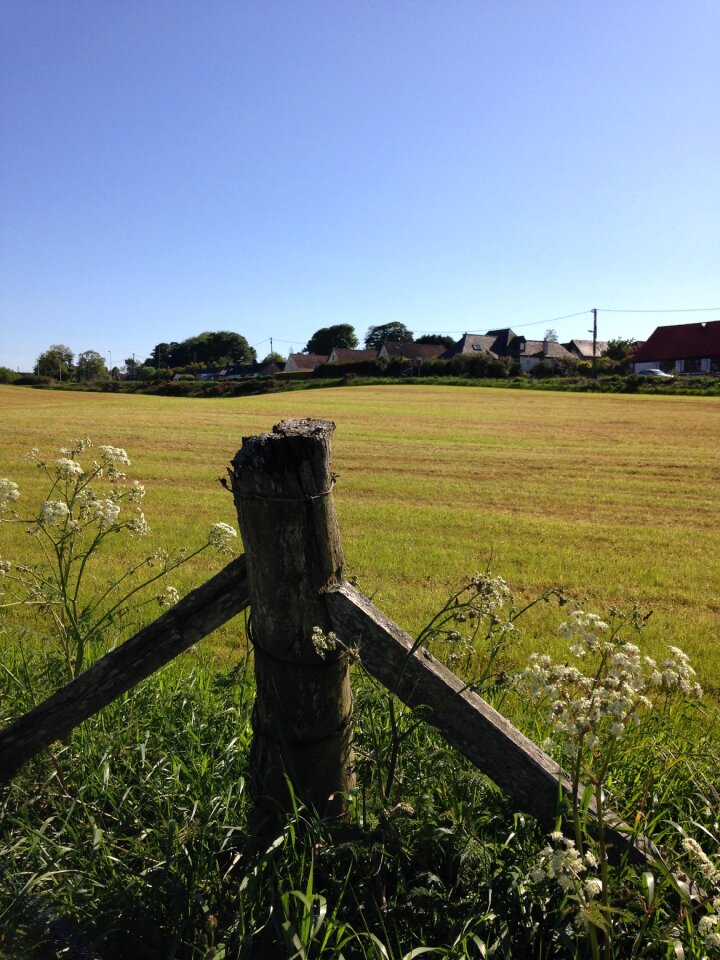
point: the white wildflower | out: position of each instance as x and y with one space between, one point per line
76 446
593 887
53 511
114 455
169 597
136 493
707 924
104 511
324 643
68 469
221 537
5 567
138 525
9 492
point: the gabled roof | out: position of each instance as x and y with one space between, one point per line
411 351
503 338
473 343
545 349
584 348
346 355
305 361
684 341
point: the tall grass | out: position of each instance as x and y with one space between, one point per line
131 838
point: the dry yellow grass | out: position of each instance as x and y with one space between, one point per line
614 497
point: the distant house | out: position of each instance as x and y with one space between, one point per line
239 371
583 349
682 348
410 351
304 361
507 343
474 343
346 355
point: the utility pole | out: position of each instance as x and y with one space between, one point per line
271 350
594 333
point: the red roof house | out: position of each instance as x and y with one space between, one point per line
684 348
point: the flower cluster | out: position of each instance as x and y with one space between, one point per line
221 537
68 469
324 643
169 597
709 928
52 512
114 455
9 493
562 862
709 870
491 592
584 708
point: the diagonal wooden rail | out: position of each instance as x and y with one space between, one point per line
532 779
199 613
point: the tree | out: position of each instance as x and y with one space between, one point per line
273 358
324 339
619 349
212 349
621 353
131 368
551 335
436 338
91 366
377 335
56 361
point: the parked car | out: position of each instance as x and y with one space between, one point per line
656 372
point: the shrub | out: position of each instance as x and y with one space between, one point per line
33 380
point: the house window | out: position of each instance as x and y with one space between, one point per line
692 365
667 366
715 364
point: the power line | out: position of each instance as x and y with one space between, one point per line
671 310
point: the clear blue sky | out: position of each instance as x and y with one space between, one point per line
275 166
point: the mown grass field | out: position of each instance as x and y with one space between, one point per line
613 497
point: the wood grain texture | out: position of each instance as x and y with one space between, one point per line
533 780
282 486
195 616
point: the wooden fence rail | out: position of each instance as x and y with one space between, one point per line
292 578
179 628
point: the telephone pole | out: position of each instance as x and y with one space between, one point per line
594 333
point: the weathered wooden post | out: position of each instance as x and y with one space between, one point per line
282 484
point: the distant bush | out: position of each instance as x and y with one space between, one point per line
33 380
7 375
542 370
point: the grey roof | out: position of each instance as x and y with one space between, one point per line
473 343
584 348
549 349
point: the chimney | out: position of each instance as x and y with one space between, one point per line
546 347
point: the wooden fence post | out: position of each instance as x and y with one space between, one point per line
282 484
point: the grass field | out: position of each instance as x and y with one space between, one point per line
614 497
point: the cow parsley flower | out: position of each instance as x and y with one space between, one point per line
169 597
9 492
53 511
105 512
136 492
76 446
68 469
138 525
323 643
112 454
221 537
